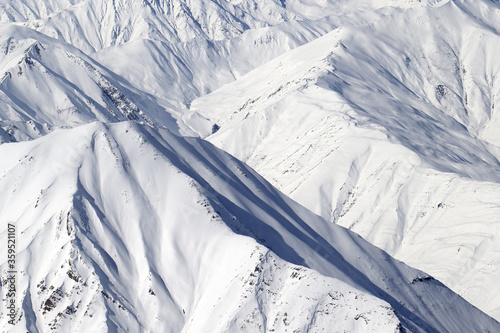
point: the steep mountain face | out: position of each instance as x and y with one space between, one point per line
48 84
167 49
178 50
389 129
123 227
377 115
123 21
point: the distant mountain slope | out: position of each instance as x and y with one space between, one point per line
47 84
386 125
178 50
92 25
391 130
133 230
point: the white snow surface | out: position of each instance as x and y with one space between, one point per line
379 116
121 227
49 84
178 50
389 129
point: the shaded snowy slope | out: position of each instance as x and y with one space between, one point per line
389 130
178 50
46 83
387 126
133 230
93 25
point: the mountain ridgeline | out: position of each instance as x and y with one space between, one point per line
249 166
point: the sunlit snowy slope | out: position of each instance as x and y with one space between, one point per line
178 50
391 130
48 84
378 116
121 227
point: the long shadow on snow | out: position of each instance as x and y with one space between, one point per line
267 235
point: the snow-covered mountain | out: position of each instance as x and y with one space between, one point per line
390 130
377 115
48 84
123 228
178 50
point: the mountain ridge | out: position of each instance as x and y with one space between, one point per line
378 116
97 261
359 128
